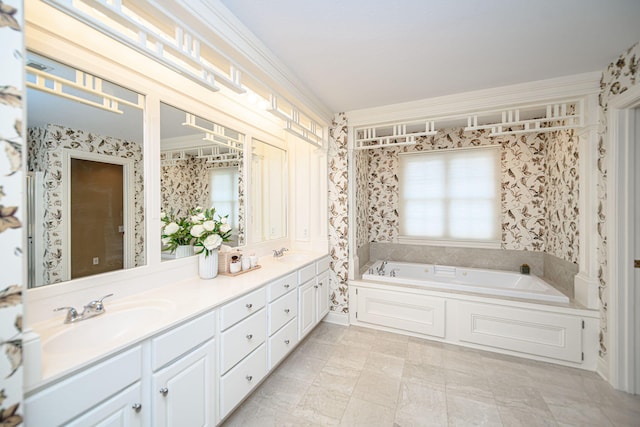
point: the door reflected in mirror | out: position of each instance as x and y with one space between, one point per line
268 191
84 150
201 166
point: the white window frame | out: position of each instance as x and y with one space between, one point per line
495 243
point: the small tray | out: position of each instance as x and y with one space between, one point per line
240 272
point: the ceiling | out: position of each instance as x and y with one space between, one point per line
355 54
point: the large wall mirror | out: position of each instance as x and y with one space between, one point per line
201 166
269 171
85 174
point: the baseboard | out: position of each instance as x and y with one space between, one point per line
337 318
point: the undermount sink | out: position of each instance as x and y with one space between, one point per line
104 330
295 257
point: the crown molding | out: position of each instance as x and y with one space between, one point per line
481 100
256 56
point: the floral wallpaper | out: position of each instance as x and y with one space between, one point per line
361 169
338 214
11 211
522 186
45 153
185 185
562 195
616 79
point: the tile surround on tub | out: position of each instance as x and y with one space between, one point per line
498 259
560 273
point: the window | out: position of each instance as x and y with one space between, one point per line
451 195
223 183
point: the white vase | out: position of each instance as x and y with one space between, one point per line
184 251
208 265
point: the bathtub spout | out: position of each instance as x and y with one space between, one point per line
381 268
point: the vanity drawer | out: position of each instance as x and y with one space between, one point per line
282 310
282 342
243 307
242 339
322 265
281 286
306 273
176 342
238 382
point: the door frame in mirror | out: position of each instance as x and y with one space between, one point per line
128 211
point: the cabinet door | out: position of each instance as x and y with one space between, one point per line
122 410
323 296
183 392
307 313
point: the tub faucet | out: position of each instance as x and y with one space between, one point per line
279 253
393 272
381 268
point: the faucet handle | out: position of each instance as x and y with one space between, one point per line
72 313
97 305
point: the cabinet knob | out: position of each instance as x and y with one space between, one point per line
286 310
249 305
315 286
164 391
249 377
320 283
286 342
286 286
136 407
249 336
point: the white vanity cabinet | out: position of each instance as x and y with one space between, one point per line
106 394
313 296
183 383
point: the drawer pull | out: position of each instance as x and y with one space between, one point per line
286 342
249 377
136 407
164 391
315 286
286 310
320 283
249 336
286 286
249 305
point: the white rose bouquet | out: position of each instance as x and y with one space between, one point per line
208 232
176 231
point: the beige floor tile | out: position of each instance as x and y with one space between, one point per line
432 376
423 353
622 417
420 405
300 367
317 349
462 411
360 413
377 388
578 413
519 417
338 379
322 405
388 365
468 385
349 357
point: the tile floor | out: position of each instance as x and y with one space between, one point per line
354 376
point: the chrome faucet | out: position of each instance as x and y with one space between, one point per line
279 253
93 309
393 272
380 269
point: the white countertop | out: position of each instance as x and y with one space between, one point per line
184 300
